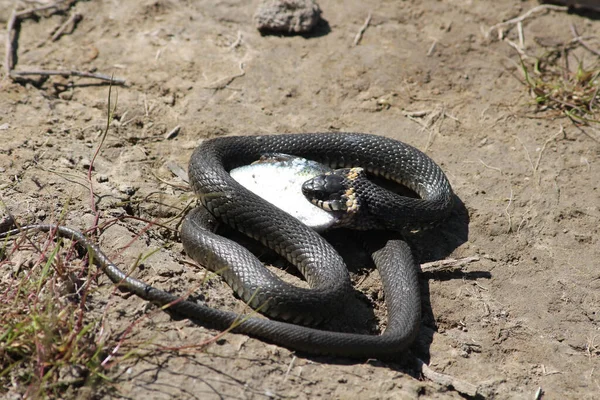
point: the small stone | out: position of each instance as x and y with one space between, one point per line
66 96
85 163
169 100
101 178
67 162
287 16
127 189
6 220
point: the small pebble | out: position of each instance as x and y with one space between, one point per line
85 163
102 178
127 189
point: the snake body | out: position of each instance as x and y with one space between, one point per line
324 270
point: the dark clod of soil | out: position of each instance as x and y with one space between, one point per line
287 16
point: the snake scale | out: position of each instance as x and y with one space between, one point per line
231 204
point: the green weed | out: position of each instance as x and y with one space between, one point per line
556 86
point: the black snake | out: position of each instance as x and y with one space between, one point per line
323 268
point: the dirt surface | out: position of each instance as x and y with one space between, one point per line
525 316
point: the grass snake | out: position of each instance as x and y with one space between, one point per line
328 278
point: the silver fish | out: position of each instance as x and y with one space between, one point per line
278 179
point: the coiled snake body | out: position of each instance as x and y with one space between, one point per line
323 268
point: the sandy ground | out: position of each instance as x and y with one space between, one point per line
525 316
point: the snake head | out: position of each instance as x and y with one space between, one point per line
334 191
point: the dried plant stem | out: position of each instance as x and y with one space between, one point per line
523 17
73 19
579 39
448 381
11 39
102 77
362 30
447 264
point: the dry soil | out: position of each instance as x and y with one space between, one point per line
525 316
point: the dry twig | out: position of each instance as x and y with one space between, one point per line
173 132
450 263
11 38
579 39
66 74
431 48
9 59
523 17
362 30
70 22
448 381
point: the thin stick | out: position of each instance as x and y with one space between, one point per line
521 35
447 381
287 373
9 62
416 114
431 48
525 16
580 40
517 48
362 30
73 19
173 132
30 11
66 74
10 36
447 264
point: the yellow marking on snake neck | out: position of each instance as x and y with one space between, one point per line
353 173
351 200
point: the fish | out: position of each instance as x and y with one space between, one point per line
278 179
